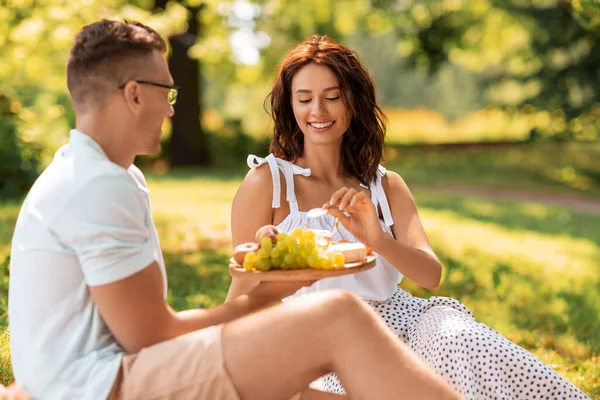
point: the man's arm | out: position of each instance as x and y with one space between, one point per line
137 315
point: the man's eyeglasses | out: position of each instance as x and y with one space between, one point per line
171 94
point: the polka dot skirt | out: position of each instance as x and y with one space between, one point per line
475 359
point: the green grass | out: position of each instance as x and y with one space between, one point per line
530 271
556 168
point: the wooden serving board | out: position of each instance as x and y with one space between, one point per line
305 274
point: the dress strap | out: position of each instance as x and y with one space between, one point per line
288 169
379 198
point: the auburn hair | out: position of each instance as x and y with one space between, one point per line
363 143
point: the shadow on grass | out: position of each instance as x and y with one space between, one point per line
583 315
516 216
197 279
554 167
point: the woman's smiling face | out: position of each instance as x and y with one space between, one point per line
318 107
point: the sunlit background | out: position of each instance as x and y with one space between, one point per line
494 122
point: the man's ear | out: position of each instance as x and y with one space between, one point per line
132 95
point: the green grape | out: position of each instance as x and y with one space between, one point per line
307 249
274 253
276 262
295 250
301 240
263 254
301 262
290 242
250 256
297 233
313 260
266 242
309 236
281 236
263 264
289 259
281 246
326 263
248 265
336 259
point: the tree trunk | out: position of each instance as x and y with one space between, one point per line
188 144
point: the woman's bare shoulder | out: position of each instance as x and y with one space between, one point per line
259 176
258 183
394 184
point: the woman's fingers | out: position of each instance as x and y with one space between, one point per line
341 197
346 199
240 251
337 196
269 231
359 203
359 198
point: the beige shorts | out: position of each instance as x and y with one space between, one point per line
190 366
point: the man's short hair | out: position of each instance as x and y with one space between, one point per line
107 54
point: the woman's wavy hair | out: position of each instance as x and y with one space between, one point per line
364 142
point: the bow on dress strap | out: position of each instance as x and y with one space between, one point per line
379 197
287 168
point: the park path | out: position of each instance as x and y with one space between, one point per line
572 202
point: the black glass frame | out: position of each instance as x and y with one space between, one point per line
171 95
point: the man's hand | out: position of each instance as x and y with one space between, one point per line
13 392
273 291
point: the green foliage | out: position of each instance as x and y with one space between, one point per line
19 161
533 54
231 145
35 37
587 12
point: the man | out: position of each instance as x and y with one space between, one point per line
88 316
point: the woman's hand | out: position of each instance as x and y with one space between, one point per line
269 231
361 219
240 251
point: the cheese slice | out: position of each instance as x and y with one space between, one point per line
353 252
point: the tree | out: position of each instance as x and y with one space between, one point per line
35 38
529 53
188 144
587 12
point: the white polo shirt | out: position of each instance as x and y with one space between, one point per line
85 222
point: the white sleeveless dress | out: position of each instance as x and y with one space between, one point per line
479 362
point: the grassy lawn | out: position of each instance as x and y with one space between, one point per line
563 168
530 271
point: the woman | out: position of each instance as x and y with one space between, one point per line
327 145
